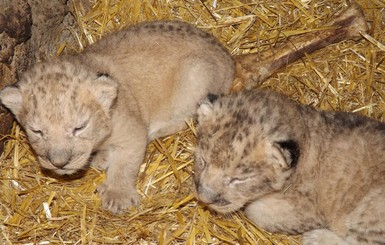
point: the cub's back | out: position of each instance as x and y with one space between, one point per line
161 35
152 49
159 60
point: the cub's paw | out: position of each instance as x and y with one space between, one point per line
116 200
322 236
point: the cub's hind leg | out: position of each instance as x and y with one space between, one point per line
366 224
322 236
293 214
197 76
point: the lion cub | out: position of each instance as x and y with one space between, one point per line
292 168
104 105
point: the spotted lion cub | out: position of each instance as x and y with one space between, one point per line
104 105
292 168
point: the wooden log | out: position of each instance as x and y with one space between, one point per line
253 69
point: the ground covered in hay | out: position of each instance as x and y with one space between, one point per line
348 76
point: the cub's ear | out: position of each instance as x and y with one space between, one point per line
12 98
205 108
105 90
283 154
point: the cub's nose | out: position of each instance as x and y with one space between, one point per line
206 194
59 158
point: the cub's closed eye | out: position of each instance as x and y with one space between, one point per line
238 180
38 132
80 129
201 162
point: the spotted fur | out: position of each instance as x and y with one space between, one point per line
292 168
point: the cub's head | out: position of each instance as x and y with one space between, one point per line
65 111
244 150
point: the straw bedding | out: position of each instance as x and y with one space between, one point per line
348 76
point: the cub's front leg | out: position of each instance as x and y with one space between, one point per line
124 156
280 214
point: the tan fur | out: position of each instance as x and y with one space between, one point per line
292 168
104 105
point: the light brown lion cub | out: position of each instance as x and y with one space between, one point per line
104 105
292 168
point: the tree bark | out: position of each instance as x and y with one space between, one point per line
30 31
